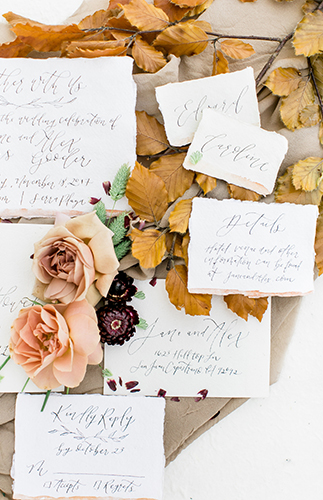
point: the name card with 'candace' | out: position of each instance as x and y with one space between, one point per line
181 104
66 126
239 153
88 446
220 355
255 249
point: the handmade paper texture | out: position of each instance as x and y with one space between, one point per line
183 355
181 104
256 249
63 132
85 446
239 153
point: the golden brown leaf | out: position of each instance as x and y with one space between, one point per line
174 244
177 179
151 136
145 16
182 39
237 49
282 81
148 247
174 12
114 4
16 48
146 193
176 285
309 6
319 244
196 11
287 193
310 115
95 48
206 182
243 306
245 1
293 104
321 133
239 193
98 19
317 65
146 57
308 37
308 174
179 217
220 63
185 242
188 3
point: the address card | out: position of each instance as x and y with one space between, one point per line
181 104
88 446
255 249
241 154
220 354
66 126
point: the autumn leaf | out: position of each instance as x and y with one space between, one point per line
321 133
319 244
309 6
196 11
114 4
177 179
179 217
237 49
308 174
95 48
174 245
243 306
292 105
308 37
245 1
145 16
16 48
174 12
182 39
176 285
185 242
98 19
283 81
151 136
206 182
310 115
146 193
148 247
146 57
240 193
287 193
188 3
220 63
317 65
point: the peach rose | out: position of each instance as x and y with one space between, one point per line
55 343
74 260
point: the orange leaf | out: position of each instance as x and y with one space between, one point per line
237 49
16 48
188 3
206 182
242 305
113 4
185 242
146 57
95 48
151 136
283 81
195 304
98 19
308 36
148 247
292 105
145 16
319 244
174 244
182 39
177 179
239 193
220 63
174 12
146 193
179 217
286 192
198 10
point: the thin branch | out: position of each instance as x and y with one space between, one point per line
273 57
315 83
244 37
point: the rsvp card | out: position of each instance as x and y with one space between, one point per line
255 249
66 126
184 355
88 446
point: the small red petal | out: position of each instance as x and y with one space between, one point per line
135 390
203 393
106 187
176 399
94 201
120 381
142 224
153 282
131 385
112 384
161 393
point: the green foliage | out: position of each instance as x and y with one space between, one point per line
106 373
117 227
142 324
140 295
196 157
122 249
119 184
101 211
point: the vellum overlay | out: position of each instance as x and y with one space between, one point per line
181 104
66 126
255 249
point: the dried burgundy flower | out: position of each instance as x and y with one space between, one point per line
122 288
161 393
116 321
94 201
106 186
112 384
153 282
131 384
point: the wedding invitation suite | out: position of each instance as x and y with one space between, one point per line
255 249
220 354
181 104
88 446
66 126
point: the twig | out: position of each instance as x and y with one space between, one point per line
244 37
315 83
273 57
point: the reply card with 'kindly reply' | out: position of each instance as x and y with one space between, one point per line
88 446
66 126
255 249
220 355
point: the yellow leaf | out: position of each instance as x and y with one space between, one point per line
179 217
146 193
98 19
95 48
308 37
220 63
309 6
245 1
185 242
182 39
287 193
174 12
188 3
319 244
237 49
317 64
282 81
174 244
16 48
321 133
239 193
151 136
310 115
196 11
243 306
206 182
193 303
292 105
146 57
148 247
177 179
145 16
307 174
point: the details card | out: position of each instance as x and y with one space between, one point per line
239 153
189 355
89 446
181 104
63 132
255 249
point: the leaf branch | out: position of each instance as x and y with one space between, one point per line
273 57
310 67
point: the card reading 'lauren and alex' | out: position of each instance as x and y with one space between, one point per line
88 446
184 355
255 249
181 104
63 132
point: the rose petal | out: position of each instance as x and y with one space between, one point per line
96 356
46 379
85 226
104 281
76 375
65 363
105 260
84 333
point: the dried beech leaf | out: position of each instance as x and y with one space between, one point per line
245 1
237 49
179 217
183 39
146 57
243 306
146 193
287 193
309 6
310 115
308 174
98 19
293 104
220 63
282 81
188 3
145 16
206 182
319 244
196 11
308 36
174 242
16 48
151 136
95 48
317 64
174 12
240 193
114 4
185 242
148 247
321 133
176 285
177 179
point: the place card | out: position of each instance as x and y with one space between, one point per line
66 126
181 103
220 355
239 153
88 446
252 248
